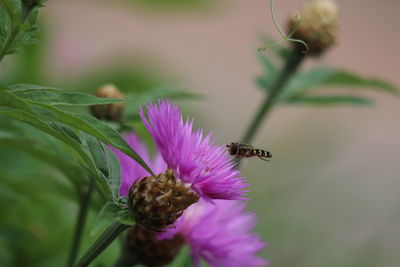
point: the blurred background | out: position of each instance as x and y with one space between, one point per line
330 195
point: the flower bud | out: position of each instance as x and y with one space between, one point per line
111 111
143 247
316 26
158 201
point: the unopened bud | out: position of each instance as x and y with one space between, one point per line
111 111
158 201
316 25
143 247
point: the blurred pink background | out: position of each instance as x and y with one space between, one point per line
332 191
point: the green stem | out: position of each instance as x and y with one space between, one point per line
80 222
108 236
289 69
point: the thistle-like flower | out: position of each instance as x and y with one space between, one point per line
188 167
316 26
218 232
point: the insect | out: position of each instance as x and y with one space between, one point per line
241 150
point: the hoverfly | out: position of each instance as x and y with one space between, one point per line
241 150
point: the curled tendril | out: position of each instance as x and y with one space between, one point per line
286 37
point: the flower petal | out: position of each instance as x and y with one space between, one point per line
195 158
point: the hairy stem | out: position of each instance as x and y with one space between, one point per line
292 64
108 236
80 223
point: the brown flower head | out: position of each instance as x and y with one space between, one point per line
158 201
317 25
112 111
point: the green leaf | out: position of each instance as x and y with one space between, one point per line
36 122
330 100
64 98
347 78
23 87
125 216
9 100
329 77
107 162
91 126
266 62
4 25
270 73
21 27
114 173
41 152
105 217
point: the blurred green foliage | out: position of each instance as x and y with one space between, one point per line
317 86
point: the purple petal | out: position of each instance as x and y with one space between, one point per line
195 158
220 234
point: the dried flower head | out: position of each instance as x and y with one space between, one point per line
219 234
113 111
189 167
158 201
317 25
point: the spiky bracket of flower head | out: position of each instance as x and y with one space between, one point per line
158 201
316 26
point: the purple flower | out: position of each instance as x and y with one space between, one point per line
220 234
195 159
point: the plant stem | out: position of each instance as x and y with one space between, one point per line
292 64
108 236
80 223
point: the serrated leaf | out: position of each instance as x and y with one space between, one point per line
330 100
65 98
327 77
